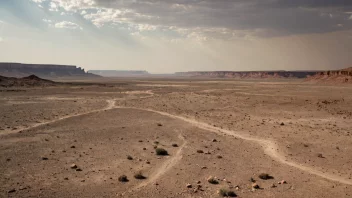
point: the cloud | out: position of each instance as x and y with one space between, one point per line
67 25
240 18
1 39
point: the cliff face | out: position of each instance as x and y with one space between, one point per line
334 76
249 74
119 73
42 70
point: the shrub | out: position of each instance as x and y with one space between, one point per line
161 151
227 193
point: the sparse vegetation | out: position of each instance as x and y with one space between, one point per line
265 176
227 193
123 178
161 151
139 175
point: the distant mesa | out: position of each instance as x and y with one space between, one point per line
333 76
248 74
42 70
119 73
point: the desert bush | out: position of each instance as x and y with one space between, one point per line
226 193
161 151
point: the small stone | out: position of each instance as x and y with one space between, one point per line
189 185
282 124
12 191
214 140
204 167
273 186
144 149
66 178
255 186
73 147
148 162
159 124
129 157
198 182
78 169
73 166
44 158
320 155
282 182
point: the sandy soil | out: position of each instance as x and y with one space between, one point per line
295 132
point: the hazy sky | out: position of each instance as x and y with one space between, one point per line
178 35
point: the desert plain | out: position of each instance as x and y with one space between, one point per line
78 139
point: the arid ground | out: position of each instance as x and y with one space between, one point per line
78 140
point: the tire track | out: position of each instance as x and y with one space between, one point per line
269 146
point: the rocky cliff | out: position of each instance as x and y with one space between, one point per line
248 74
42 70
333 76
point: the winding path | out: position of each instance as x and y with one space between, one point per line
269 146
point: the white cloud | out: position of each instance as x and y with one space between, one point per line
67 25
350 18
47 21
53 7
38 1
74 5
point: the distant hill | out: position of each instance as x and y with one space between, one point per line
334 76
29 81
248 74
42 70
119 73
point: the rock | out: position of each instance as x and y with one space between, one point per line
66 178
189 185
212 180
129 157
159 124
320 155
148 162
12 191
282 182
73 166
255 186
273 186
219 156
123 178
204 167
73 147
200 151
144 149
78 169
198 182
214 140
44 158
282 124
174 145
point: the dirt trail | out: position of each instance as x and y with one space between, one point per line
110 105
269 146
166 166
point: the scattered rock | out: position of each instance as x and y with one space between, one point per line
73 166
282 124
174 145
44 158
204 167
200 151
255 186
219 156
123 178
159 124
189 185
282 182
129 157
320 155
273 186
212 180
66 178
78 169
214 140
265 176
73 147
12 191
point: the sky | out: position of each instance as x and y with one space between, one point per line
178 35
